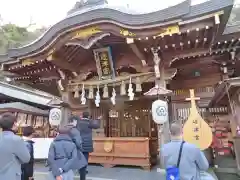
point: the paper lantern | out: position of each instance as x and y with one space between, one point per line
160 111
55 116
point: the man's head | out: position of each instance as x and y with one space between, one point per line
86 115
64 130
8 122
176 130
73 120
28 131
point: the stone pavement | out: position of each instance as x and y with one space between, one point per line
116 173
97 172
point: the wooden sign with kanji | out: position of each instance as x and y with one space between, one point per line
195 129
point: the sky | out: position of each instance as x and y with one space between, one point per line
48 12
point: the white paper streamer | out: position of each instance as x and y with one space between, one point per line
97 98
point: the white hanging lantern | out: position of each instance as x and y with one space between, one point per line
55 117
160 111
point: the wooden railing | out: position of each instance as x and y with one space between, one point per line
181 92
203 93
183 113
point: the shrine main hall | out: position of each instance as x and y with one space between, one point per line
116 62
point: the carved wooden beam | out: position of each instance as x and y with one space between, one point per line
136 51
216 27
157 61
144 77
99 45
180 62
63 64
82 76
88 43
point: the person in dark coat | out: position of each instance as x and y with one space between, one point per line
62 156
75 135
28 168
85 125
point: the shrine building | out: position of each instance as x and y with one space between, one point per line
110 61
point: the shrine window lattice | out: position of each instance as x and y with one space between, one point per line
130 121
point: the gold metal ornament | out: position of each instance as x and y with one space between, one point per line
108 146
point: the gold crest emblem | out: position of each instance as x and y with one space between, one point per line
108 146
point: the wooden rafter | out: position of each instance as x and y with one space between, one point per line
75 53
216 27
137 51
70 53
63 64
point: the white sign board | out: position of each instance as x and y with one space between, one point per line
41 147
55 116
160 111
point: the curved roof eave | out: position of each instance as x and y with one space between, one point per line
37 97
182 11
101 14
208 7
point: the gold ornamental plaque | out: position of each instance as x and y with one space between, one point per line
108 146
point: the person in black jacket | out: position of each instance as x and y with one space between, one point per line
62 156
85 126
27 168
75 135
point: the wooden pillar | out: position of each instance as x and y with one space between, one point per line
66 110
163 130
166 126
66 113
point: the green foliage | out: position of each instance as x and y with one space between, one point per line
13 36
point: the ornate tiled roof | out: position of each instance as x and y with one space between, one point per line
95 11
